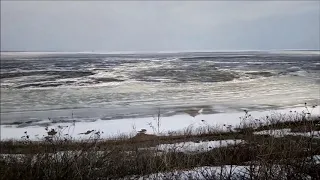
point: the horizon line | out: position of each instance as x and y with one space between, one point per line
150 52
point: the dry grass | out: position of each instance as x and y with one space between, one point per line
265 156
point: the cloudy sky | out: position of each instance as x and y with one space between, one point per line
159 26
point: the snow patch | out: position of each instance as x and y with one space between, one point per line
202 146
287 132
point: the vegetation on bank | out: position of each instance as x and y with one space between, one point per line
262 155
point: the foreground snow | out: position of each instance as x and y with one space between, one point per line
200 173
221 172
226 172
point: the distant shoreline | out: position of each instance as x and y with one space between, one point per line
151 52
13 54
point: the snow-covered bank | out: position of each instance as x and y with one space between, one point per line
108 128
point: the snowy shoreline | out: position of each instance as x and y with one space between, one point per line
113 128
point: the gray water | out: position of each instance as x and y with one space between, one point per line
87 87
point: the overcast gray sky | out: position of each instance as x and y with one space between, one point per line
159 26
